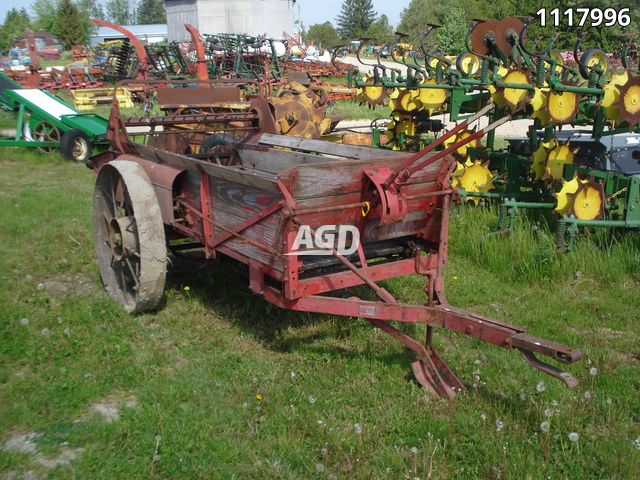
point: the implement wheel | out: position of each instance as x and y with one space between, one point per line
75 145
129 236
46 132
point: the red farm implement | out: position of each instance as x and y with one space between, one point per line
249 201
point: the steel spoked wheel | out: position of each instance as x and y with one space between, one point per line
46 132
129 235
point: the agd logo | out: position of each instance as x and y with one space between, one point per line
345 239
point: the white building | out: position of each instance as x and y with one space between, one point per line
146 33
250 17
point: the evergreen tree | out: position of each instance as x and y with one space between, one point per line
151 11
452 35
71 26
356 16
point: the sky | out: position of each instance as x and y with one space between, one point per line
311 11
319 11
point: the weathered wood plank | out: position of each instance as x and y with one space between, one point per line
329 148
343 177
242 176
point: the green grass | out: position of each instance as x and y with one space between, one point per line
228 387
355 111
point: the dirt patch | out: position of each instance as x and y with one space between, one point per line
67 285
109 407
64 457
27 443
22 443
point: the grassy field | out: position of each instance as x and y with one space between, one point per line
218 384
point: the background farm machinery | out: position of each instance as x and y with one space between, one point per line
45 122
543 170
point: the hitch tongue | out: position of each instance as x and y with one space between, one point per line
569 380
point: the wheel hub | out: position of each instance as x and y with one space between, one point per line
122 238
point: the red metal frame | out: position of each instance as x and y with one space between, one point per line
292 292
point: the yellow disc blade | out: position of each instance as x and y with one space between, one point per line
558 157
588 202
631 100
562 107
432 99
515 97
477 178
565 196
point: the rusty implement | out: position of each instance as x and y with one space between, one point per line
249 202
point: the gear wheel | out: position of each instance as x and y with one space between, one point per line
564 198
588 201
461 152
516 99
562 107
560 154
300 111
629 102
372 95
476 178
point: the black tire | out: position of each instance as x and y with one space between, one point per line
215 140
584 61
75 145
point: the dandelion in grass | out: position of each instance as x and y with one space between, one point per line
40 286
24 321
483 417
574 437
523 396
455 277
545 426
593 371
548 412
357 428
320 423
45 331
319 467
499 424
324 451
541 387
245 405
187 288
312 399
292 375
636 442
609 401
259 396
587 395
414 450
477 361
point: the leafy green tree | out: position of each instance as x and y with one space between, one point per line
380 31
121 12
415 17
323 35
452 35
44 14
15 23
71 25
356 16
151 11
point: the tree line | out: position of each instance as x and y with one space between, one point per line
70 21
358 19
